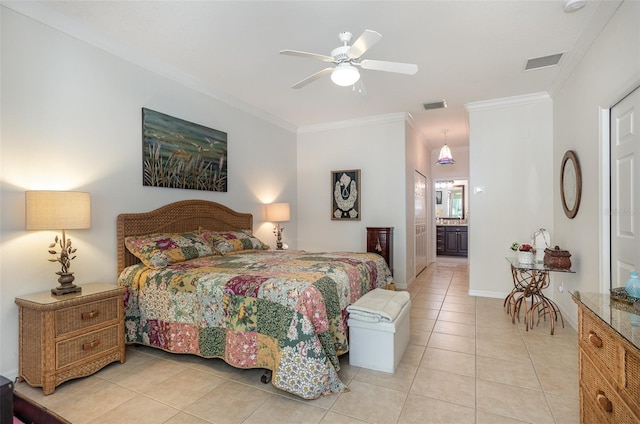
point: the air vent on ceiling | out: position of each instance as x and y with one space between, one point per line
435 105
543 62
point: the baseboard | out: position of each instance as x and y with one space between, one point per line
495 295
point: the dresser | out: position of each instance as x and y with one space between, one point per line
609 360
380 241
69 336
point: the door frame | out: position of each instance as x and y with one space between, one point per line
605 183
605 198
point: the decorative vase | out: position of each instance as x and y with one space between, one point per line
65 278
632 286
525 257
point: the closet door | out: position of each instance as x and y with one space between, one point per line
625 188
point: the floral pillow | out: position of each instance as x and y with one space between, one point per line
162 249
228 242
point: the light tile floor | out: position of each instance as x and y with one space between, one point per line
466 363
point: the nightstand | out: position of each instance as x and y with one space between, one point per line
69 336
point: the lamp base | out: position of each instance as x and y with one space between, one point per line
70 288
278 232
66 284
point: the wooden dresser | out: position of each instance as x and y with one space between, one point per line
380 241
609 349
69 336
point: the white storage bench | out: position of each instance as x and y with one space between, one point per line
379 343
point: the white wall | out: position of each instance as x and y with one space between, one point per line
609 70
510 154
71 119
376 146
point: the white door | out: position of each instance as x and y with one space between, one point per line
625 188
420 202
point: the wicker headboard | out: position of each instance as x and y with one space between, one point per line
183 216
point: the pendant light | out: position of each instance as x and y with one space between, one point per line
445 153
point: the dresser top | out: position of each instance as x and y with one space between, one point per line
615 313
89 291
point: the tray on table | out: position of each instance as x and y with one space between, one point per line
625 302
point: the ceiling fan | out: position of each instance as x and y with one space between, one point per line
346 59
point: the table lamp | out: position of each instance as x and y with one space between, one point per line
59 210
277 213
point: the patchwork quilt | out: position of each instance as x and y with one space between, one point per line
283 311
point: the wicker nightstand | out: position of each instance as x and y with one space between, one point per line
70 336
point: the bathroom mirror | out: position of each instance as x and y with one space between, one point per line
450 202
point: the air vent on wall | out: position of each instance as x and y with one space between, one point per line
435 105
543 62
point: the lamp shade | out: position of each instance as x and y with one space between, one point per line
344 75
57 210
278 212
445 156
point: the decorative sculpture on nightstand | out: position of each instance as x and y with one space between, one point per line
66 250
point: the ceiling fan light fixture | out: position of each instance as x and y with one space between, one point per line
345 75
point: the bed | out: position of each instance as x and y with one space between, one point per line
199 283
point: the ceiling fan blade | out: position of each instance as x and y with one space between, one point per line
321 57
312 78
381 65
363 43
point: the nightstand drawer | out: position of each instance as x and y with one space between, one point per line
84 316
596 339
81 347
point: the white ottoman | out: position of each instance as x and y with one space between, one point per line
379 345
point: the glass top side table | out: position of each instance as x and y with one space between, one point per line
529 281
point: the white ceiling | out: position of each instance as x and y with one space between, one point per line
466 51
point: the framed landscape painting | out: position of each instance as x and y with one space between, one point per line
345 195
181 154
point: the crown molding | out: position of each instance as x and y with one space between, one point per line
508 102
357 122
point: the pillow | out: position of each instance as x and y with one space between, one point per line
226 242
161 249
